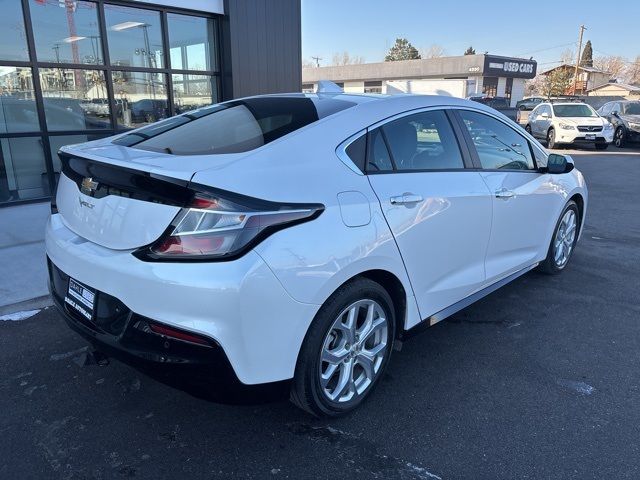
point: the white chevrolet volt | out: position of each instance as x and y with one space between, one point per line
293 238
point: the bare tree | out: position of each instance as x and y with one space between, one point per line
345 58
632 72
613 64
568 56
434 51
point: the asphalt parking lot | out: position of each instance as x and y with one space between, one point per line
538 380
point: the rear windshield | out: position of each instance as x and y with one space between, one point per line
577 110
232 127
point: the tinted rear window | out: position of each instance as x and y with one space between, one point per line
232 127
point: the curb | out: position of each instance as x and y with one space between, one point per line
33 304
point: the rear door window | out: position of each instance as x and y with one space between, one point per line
424 141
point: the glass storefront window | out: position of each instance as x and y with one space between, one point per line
193 91
23 173
75 99
58 141
134 37
141 98
18 111
66 32
191 42
13 37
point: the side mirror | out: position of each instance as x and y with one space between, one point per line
615 113
558 164
544 115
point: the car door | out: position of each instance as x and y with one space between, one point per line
438 210
523 197
543 121
534 117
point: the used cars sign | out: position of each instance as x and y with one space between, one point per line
509 67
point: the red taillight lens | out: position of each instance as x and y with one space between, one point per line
216 227
178 334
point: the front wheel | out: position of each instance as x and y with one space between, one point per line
563 242
618 137
551 139
346 350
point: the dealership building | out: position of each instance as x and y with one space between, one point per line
78 70
455 76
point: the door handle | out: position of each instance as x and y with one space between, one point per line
505 194
406 199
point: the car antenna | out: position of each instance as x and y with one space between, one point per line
327 86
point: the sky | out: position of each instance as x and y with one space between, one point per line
368 28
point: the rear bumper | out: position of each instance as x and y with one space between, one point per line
119 333
255 326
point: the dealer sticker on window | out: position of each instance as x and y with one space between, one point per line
80 298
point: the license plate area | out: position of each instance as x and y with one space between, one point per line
590 136
81 299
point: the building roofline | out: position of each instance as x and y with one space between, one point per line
460 66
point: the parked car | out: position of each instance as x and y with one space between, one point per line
296 237
625 118
529 103
569 123
148 110
501 104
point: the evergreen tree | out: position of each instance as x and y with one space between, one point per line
587 55
402 50
470 51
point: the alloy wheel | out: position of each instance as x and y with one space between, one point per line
353 351
564 239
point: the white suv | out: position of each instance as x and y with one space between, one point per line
295 237
569 124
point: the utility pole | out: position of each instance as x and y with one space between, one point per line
317 59
575 75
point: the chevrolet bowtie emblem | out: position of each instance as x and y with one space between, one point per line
88 186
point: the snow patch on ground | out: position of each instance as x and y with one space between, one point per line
16 316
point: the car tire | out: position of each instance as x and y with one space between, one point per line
565 235
318 382
602 146
551 139
619 139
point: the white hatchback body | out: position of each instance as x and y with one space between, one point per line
444 232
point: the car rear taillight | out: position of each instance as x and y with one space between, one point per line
224 225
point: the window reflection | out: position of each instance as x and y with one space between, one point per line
23 173
66 31
74 99
18 111
191 42
58 141
193 91
135 38
141 98
13 38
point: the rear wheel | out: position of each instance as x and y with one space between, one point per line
564 240
618 137
346 350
